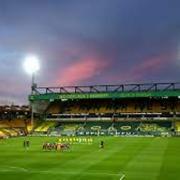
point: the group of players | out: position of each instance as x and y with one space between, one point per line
56 146
64 143
76 140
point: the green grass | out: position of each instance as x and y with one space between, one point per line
137 158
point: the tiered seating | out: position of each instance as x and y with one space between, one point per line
97 126
2 134
102 128
148 127
10 132
12 123
66 128
54 108
177 126
106 115
12 127
155 127
29 127
44 126
69 129
126 126
115 106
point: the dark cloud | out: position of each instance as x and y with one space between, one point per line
122 40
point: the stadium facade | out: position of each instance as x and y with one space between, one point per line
151 109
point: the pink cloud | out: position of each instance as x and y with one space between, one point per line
150 65
83 69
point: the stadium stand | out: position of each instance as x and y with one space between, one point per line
44 126
177 127
14 120
114 106
130 109
137 109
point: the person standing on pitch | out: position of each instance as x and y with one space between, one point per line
24 144
27 143
102 144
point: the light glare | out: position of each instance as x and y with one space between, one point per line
31 64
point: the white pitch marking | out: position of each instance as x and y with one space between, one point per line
122 177
13 168
20 169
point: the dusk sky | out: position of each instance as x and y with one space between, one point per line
83 42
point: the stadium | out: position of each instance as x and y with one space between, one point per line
90 89
137 123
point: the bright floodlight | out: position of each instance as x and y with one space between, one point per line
31 64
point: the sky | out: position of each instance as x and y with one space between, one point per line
87 42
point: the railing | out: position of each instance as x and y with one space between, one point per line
109 88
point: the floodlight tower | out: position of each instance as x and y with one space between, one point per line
31 66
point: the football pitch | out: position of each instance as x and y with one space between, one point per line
123 158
